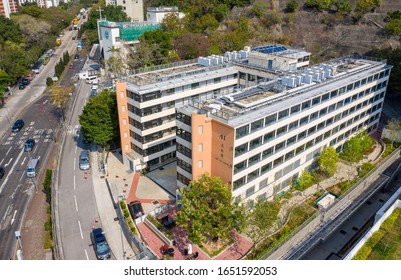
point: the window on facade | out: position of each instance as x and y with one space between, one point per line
332 108
241 131
268 136
300 149
329 121
315 101
318 139
255 143
266 153
293 125
279 146
323 112
194 85
341 91
283 114
278 161
350 87
239 167
311 130
301 135
289 155
357 84
266 167
354 97
287 169
295 109
270 119
334 93
255 126
200 163
314 116
238 183
344 114
200 147
291 140
282 130
309 144
263 184
306 105
320 125
304 120
337 117
241 149
254 159
200 129
325 97
217 80
278 175
250 191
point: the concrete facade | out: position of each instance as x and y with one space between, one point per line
279 131
133 8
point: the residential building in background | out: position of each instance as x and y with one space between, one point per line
8 7
259 139
133 8
156 14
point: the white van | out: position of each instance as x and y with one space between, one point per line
91 79
33 167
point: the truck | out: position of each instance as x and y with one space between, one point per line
75 26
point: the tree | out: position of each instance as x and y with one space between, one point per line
352 150
220 11
259 8
208 210
262 218
318 4
304 181
343 6
99 119
206 23
292 6
365 6
328 160
191 45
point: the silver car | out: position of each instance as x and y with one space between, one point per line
84 162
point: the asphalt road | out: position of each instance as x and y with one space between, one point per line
16 189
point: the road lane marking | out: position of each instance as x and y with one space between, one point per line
74 182
76 204
11 171
1 161
9 150
23 161
22 175
80 229
13 219
45 101
86 253
34 150
74 164
8 162
76 147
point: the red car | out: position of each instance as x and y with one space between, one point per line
71 66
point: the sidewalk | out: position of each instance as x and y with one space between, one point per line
107 214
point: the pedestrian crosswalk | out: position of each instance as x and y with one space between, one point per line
73 130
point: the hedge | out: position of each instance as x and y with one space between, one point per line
363 253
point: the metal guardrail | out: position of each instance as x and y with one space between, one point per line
310 228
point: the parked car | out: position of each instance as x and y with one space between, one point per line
84 162
18 125
1 172
100 244
21 86
72 66
76 56
25 81
29 144
74 37
93 92
135 209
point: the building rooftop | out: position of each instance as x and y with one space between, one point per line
290 88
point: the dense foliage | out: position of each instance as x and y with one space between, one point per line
356 147
99 119
208 210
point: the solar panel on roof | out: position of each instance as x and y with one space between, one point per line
270 49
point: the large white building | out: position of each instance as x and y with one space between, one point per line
156 15
243 119
261 138
147 111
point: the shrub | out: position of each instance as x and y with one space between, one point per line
389 222
365 168
126 213
363 253
375 238
123 205
49 81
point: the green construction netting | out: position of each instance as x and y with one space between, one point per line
133 32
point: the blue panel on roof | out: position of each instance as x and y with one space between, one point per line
270 49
